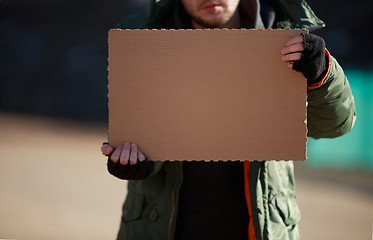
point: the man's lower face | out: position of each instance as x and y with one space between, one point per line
210 13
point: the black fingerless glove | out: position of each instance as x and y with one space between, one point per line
313 62
139 171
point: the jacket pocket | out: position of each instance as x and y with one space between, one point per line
287 209
132 207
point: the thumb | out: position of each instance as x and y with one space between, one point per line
106 149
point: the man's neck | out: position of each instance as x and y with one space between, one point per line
234 22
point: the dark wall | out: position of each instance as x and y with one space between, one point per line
53 53
348 32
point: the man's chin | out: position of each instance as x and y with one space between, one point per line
210 23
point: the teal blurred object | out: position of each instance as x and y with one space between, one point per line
355 149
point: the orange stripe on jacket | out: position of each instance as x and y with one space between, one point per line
246 169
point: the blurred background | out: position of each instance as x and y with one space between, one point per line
53 120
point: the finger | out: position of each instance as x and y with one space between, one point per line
125 153
290 65
298 47
294 40
106 149
291 57
133 155
140 155
116 154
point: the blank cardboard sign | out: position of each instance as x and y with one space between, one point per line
206 95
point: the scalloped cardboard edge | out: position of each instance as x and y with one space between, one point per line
212 95
213 29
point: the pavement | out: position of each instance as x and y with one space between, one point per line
54 185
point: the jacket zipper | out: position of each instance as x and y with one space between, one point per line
173 204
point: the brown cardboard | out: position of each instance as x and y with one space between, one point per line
206 95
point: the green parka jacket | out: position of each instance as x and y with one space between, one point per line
151 206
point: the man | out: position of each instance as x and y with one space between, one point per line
230 200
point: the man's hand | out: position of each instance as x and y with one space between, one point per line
292 50
306 54
127 161
128 152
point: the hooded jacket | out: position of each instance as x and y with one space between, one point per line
151 206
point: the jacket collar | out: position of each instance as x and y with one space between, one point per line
295 13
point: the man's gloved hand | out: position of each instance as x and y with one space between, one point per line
306 54
127 162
